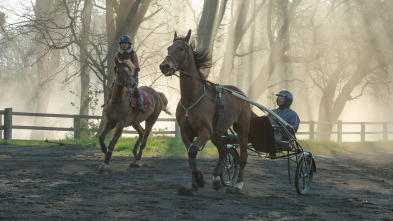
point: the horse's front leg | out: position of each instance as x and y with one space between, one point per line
197 174
111 146
108 127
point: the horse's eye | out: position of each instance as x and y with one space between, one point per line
181 49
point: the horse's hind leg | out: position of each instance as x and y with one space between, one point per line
140 131
242 131
216 140
108 127
149 123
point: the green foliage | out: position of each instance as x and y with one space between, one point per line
164 146
24 143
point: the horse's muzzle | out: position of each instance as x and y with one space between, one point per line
166 69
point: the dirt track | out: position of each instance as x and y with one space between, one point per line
63 183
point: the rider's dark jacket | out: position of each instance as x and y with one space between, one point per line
288 115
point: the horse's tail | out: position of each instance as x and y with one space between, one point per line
164 102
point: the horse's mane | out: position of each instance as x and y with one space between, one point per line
128 63
202 57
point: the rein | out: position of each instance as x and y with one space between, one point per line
123 84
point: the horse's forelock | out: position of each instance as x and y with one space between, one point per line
127 63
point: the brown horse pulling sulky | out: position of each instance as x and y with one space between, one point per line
196 111
121 114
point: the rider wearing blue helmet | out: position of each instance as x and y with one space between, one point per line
126 52
284 101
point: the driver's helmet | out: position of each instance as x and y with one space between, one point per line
288 95
125 38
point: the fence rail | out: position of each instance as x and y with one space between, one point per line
8 127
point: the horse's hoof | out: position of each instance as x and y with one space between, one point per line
103 167
183 191
216 184
199 178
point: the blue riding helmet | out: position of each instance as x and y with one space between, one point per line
125 38
288 95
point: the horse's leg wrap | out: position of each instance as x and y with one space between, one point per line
196 173
108 156
193 150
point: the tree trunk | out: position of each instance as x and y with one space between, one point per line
85 78
235 34
260 84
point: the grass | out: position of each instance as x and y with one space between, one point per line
164 146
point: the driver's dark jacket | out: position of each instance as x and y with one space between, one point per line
288 115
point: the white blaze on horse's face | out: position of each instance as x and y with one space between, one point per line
124 76
176 56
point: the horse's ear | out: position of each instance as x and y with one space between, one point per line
187 38
175 36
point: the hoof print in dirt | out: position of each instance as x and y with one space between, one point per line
183 191
134 165
233 190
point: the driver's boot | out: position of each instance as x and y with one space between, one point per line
139 100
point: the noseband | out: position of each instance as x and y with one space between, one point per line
177 66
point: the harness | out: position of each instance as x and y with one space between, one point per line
218 92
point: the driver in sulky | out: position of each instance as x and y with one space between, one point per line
284 101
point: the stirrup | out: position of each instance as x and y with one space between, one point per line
141 109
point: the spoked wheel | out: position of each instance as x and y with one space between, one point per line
304 174
230 168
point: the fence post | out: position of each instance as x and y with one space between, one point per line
312 130
385 131
339 131
177 130
8 124
363 131
1 130
77 128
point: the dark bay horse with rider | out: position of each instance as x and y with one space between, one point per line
204 112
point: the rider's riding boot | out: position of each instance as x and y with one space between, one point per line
139 101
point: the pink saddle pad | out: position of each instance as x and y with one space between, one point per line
146 100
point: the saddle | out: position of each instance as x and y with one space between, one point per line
146 100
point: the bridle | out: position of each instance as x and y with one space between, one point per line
178 67
124 83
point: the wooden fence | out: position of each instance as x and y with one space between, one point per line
8 127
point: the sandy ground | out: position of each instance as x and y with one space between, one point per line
63 183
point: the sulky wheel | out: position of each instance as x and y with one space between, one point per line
230 168
304 173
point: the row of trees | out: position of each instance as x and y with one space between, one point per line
334 50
